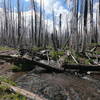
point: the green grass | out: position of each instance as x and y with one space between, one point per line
50 48
83 60
55 54
97 52
5 48
5 79
37 49
16 68
6 94
12 96
69 60
94 44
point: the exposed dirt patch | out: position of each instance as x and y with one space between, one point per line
6 71
5 66
72 87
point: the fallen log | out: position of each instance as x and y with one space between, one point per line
58 69
23 92
68 66
95 57
81 67
86 54
74 59
29 60
70 54
5 51
48 67
41 56
93 49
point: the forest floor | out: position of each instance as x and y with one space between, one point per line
51 85
6 67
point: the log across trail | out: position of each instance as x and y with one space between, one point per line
69 66
82 67
53 68
23 92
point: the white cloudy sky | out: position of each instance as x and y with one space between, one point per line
59 7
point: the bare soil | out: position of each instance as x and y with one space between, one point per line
65 85
5 67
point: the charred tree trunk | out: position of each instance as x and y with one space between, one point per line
85 25
40 25
19 25
35 14
60 25
32 28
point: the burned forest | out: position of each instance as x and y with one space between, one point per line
49 49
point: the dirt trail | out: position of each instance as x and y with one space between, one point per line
72 87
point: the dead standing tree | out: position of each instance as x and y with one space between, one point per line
91 20
96 36
34 30
19 24
32 27
60 27
35 14
76 8
84 38
40 25
5 24
74 41
54 34
46 36
99 23
85 25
